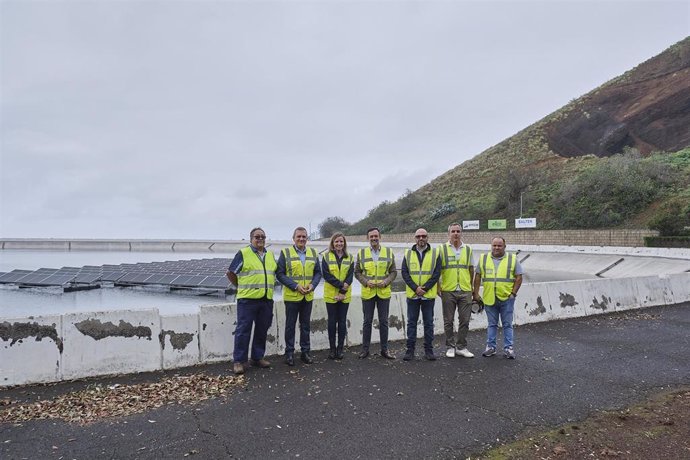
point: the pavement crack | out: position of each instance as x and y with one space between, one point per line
199 427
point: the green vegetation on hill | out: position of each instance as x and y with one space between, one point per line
618 156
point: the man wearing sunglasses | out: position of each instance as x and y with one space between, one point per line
421 270
253 272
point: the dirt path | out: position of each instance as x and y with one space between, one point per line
657 428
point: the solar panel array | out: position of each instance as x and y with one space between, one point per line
177 274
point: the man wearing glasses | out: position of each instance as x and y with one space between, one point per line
375 269
455 289
253 272
421 270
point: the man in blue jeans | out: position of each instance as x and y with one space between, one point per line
501 275
421 269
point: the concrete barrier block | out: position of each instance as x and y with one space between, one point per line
275 340
653 290
51 245
225 248
355 322
110 342
191 246
152 246
680 287
567 299
86 245
30 350
179 339
534 304
397 317
319 325
216 332
607 295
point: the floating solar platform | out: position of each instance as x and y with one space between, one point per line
176 274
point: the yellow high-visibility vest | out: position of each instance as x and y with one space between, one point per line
456 272
377 271
340 272
299 273
257 277
498 281
420 273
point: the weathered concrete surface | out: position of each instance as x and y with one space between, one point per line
30 350
216 326
101 343
179 340
374 408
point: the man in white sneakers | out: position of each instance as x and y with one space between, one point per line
455 289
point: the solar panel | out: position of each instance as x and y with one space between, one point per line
34 278
133 277
192 281
14 276
160 278
112 275
180 280
56 280
87 277
215 282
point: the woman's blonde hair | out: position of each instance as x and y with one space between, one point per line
333 237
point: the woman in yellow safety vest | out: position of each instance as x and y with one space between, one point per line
337 268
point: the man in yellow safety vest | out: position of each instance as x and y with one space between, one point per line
501 275
253 272
455 289
375 270
421 269
299 272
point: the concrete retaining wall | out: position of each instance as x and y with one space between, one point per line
76 345
613 237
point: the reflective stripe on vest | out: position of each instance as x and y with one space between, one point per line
257 277
377 271
301 274
421 273
340 273
456 272
498 281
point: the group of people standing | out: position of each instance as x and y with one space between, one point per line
450 271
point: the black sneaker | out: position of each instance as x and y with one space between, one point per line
490 351
430 356
409 355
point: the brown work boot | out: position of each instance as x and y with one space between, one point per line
260 363
238 368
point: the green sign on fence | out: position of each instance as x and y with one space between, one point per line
497 224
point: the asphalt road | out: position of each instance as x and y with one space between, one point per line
373 408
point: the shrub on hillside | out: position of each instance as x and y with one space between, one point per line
611 191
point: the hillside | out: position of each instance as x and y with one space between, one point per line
616 157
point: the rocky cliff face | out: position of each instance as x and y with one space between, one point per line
647 108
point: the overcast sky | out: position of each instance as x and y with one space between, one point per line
202 119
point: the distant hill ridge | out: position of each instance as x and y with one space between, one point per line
618 156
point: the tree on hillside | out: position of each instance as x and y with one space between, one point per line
331 225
